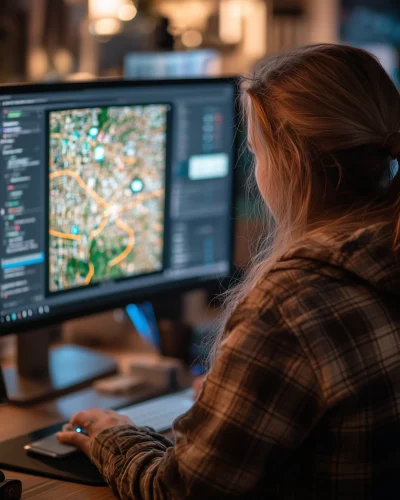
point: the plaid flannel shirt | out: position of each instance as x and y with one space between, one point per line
303 401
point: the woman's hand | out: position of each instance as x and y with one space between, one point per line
93 422
198 382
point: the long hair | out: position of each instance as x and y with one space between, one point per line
317 119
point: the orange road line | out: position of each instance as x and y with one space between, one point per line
129 247
130 161
90 274
93 234
122 225
98 198
66 236
81 182
97 231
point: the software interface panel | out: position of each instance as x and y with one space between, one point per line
106 191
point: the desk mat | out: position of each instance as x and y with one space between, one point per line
75 468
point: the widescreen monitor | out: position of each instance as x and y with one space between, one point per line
112 192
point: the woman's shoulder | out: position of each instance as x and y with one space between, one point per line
270 294
318 269
318 272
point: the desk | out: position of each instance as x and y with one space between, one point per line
16 421
40 488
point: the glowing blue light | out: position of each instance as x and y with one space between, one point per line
137 185
93 132
99 153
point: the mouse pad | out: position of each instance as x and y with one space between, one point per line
76 468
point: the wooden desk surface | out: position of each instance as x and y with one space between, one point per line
15 421
40 488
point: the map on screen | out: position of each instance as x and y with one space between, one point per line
106 193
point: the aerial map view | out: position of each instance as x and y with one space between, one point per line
106 193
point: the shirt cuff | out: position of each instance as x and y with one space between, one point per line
120 439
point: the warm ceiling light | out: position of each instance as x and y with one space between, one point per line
190 14
191 38
254 44
104 8
126 12
63 62
231 21
103 17
38 64
105 27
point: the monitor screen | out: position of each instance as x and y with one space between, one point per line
112 192
187 64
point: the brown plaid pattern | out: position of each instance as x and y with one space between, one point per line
303 401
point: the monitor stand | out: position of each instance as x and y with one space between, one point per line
43 373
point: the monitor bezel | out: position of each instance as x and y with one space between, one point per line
122 299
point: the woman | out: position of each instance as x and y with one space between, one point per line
302 399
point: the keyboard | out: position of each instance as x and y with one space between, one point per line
159 413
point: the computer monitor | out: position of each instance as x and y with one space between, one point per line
184 64
112 192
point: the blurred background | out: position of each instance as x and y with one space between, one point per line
51 40
58 40
67 40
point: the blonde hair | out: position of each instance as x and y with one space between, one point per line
319 116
